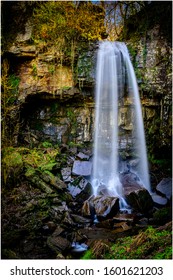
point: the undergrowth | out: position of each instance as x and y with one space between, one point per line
150 244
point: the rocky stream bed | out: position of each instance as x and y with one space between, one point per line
48 210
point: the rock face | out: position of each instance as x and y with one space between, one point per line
61 120
42 79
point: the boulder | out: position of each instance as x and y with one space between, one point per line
82 168
82 191
136 196
82 156
66 174
88 209
102 206
165 187
106 206
81 220
67 220
58 244
159 201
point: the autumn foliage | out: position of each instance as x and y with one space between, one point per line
68 20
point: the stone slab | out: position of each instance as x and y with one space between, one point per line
82 168
165 187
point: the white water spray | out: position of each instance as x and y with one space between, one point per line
112 59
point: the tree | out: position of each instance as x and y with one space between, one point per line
66 24
117 13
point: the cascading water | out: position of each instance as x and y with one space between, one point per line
140 144
113 64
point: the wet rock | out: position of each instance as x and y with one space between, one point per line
165 187
82 168
159 201
139 199
121 227
102 190
70 160
82 190
96 233
125 217
81 155
135 195
67 220
88 209
66 174
74 190
58 244
103 206
59 230
106 206
86 188
81 220
105 224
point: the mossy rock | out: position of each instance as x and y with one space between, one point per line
149 244
12 166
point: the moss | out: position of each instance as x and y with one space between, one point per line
12 166
46 144
88 255
17 160
143 246
150 244
12 158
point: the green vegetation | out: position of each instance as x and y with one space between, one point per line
150 244
10 84
46 144
68 21
9 100
73 120
51 69
27 161
162 216
34 69
67 24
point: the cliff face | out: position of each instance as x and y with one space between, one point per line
51 106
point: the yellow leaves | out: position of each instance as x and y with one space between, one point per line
44 31
64 19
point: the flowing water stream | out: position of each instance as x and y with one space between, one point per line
114 75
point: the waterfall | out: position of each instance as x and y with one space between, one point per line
113 66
